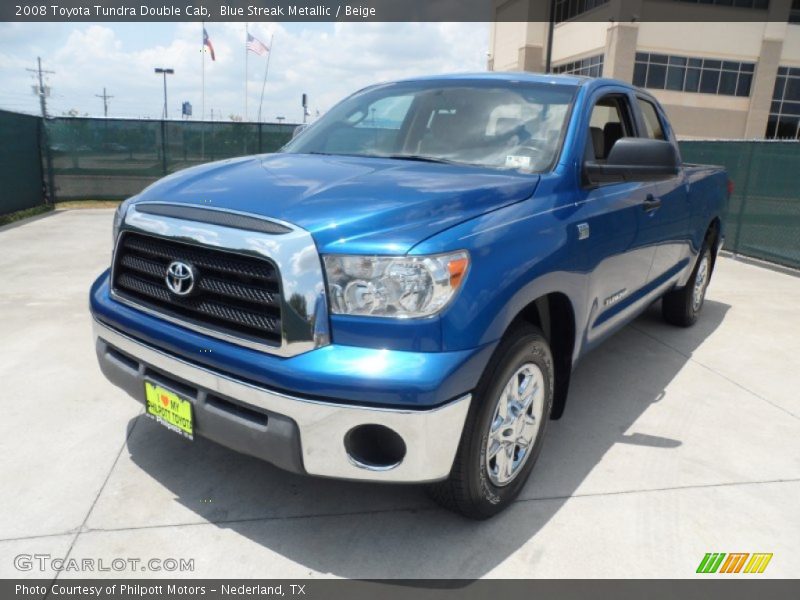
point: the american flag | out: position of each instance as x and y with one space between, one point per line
207 42
256 46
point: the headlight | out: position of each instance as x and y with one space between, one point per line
394 286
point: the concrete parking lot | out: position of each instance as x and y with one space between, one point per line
674 443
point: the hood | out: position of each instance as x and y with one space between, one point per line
349 204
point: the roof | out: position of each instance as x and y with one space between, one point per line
508 76
520 77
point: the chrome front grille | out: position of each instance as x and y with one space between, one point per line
232 293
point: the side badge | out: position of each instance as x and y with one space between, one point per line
583 231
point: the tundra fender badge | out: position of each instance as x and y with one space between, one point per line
615 297
583 231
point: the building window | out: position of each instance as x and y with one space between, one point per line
794 13
784 113
591 66
568 9
687 74
757 4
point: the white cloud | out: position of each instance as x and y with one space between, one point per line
327 62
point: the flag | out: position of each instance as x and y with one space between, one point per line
207 42
256 46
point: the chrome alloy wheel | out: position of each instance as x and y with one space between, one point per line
700 282
515 424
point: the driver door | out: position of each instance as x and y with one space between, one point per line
609 220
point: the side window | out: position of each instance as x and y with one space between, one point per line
653 127
609 122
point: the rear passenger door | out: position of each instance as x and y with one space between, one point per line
666 219
609 219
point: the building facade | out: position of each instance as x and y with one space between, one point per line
734 78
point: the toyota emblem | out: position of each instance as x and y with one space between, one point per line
180 278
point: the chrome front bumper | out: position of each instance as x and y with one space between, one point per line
431 436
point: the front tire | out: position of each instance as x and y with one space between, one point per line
505 427
682 306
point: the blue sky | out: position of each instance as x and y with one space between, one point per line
325 60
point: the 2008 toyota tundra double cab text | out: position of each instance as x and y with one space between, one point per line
401 293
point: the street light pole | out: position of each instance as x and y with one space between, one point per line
551 25
165 72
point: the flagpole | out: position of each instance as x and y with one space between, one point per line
203 71
245 71
266 72
203 91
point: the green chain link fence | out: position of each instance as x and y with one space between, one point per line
21 182
764 212
115 158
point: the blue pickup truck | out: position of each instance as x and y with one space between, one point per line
403 291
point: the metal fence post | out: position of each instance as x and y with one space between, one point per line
164 146
745 193
44 150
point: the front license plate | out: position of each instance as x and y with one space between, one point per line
169 409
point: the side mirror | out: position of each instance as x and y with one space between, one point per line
634 159
299 129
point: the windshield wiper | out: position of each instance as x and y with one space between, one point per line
417 157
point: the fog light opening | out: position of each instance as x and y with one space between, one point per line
374 447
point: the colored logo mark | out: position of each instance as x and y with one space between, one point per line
735 562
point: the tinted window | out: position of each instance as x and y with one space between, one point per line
591 66
688 74
785 108
607 124
652 123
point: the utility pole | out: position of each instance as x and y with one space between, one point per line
105 98
48 156
41 90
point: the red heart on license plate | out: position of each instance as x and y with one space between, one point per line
164 400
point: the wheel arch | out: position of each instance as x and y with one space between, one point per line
554 314
713 231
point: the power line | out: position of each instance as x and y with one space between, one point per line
105 98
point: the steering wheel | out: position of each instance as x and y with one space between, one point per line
530 147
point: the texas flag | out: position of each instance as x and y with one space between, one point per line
207 42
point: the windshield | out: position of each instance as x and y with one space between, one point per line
504 125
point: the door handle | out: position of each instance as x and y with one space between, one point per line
651 203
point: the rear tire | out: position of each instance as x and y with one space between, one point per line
682 306
504 429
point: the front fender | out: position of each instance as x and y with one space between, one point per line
518 254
